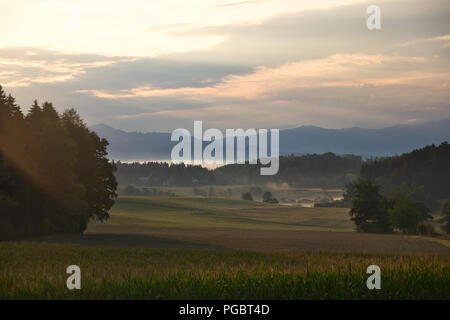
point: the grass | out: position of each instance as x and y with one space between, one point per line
220 213
31 270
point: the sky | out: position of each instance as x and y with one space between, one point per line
159 65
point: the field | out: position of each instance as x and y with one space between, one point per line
220 213
30 270
210 248
283 192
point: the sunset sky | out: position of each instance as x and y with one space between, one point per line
160 65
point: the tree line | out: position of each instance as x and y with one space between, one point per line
54 173
428 167
325 170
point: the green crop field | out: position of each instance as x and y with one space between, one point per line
213 248
30 270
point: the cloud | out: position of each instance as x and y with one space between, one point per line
23 66
319 33
35 73
361 88
442 41
164 28
239 3
119 27
335 71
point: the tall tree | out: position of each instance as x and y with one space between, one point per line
369 208
446 216
93 170
405 214
34 115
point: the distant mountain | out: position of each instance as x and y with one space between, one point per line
365 142
129 146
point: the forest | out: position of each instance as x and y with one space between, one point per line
54 173
428 168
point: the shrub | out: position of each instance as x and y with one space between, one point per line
246 196
267 197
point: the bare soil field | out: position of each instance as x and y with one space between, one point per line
286 241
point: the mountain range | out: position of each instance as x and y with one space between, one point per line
139 146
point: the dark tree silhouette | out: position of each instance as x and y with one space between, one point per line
267 197
406 215
369 208
54 174
428 167
246 196
327 170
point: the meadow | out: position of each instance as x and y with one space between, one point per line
212 248
221 213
